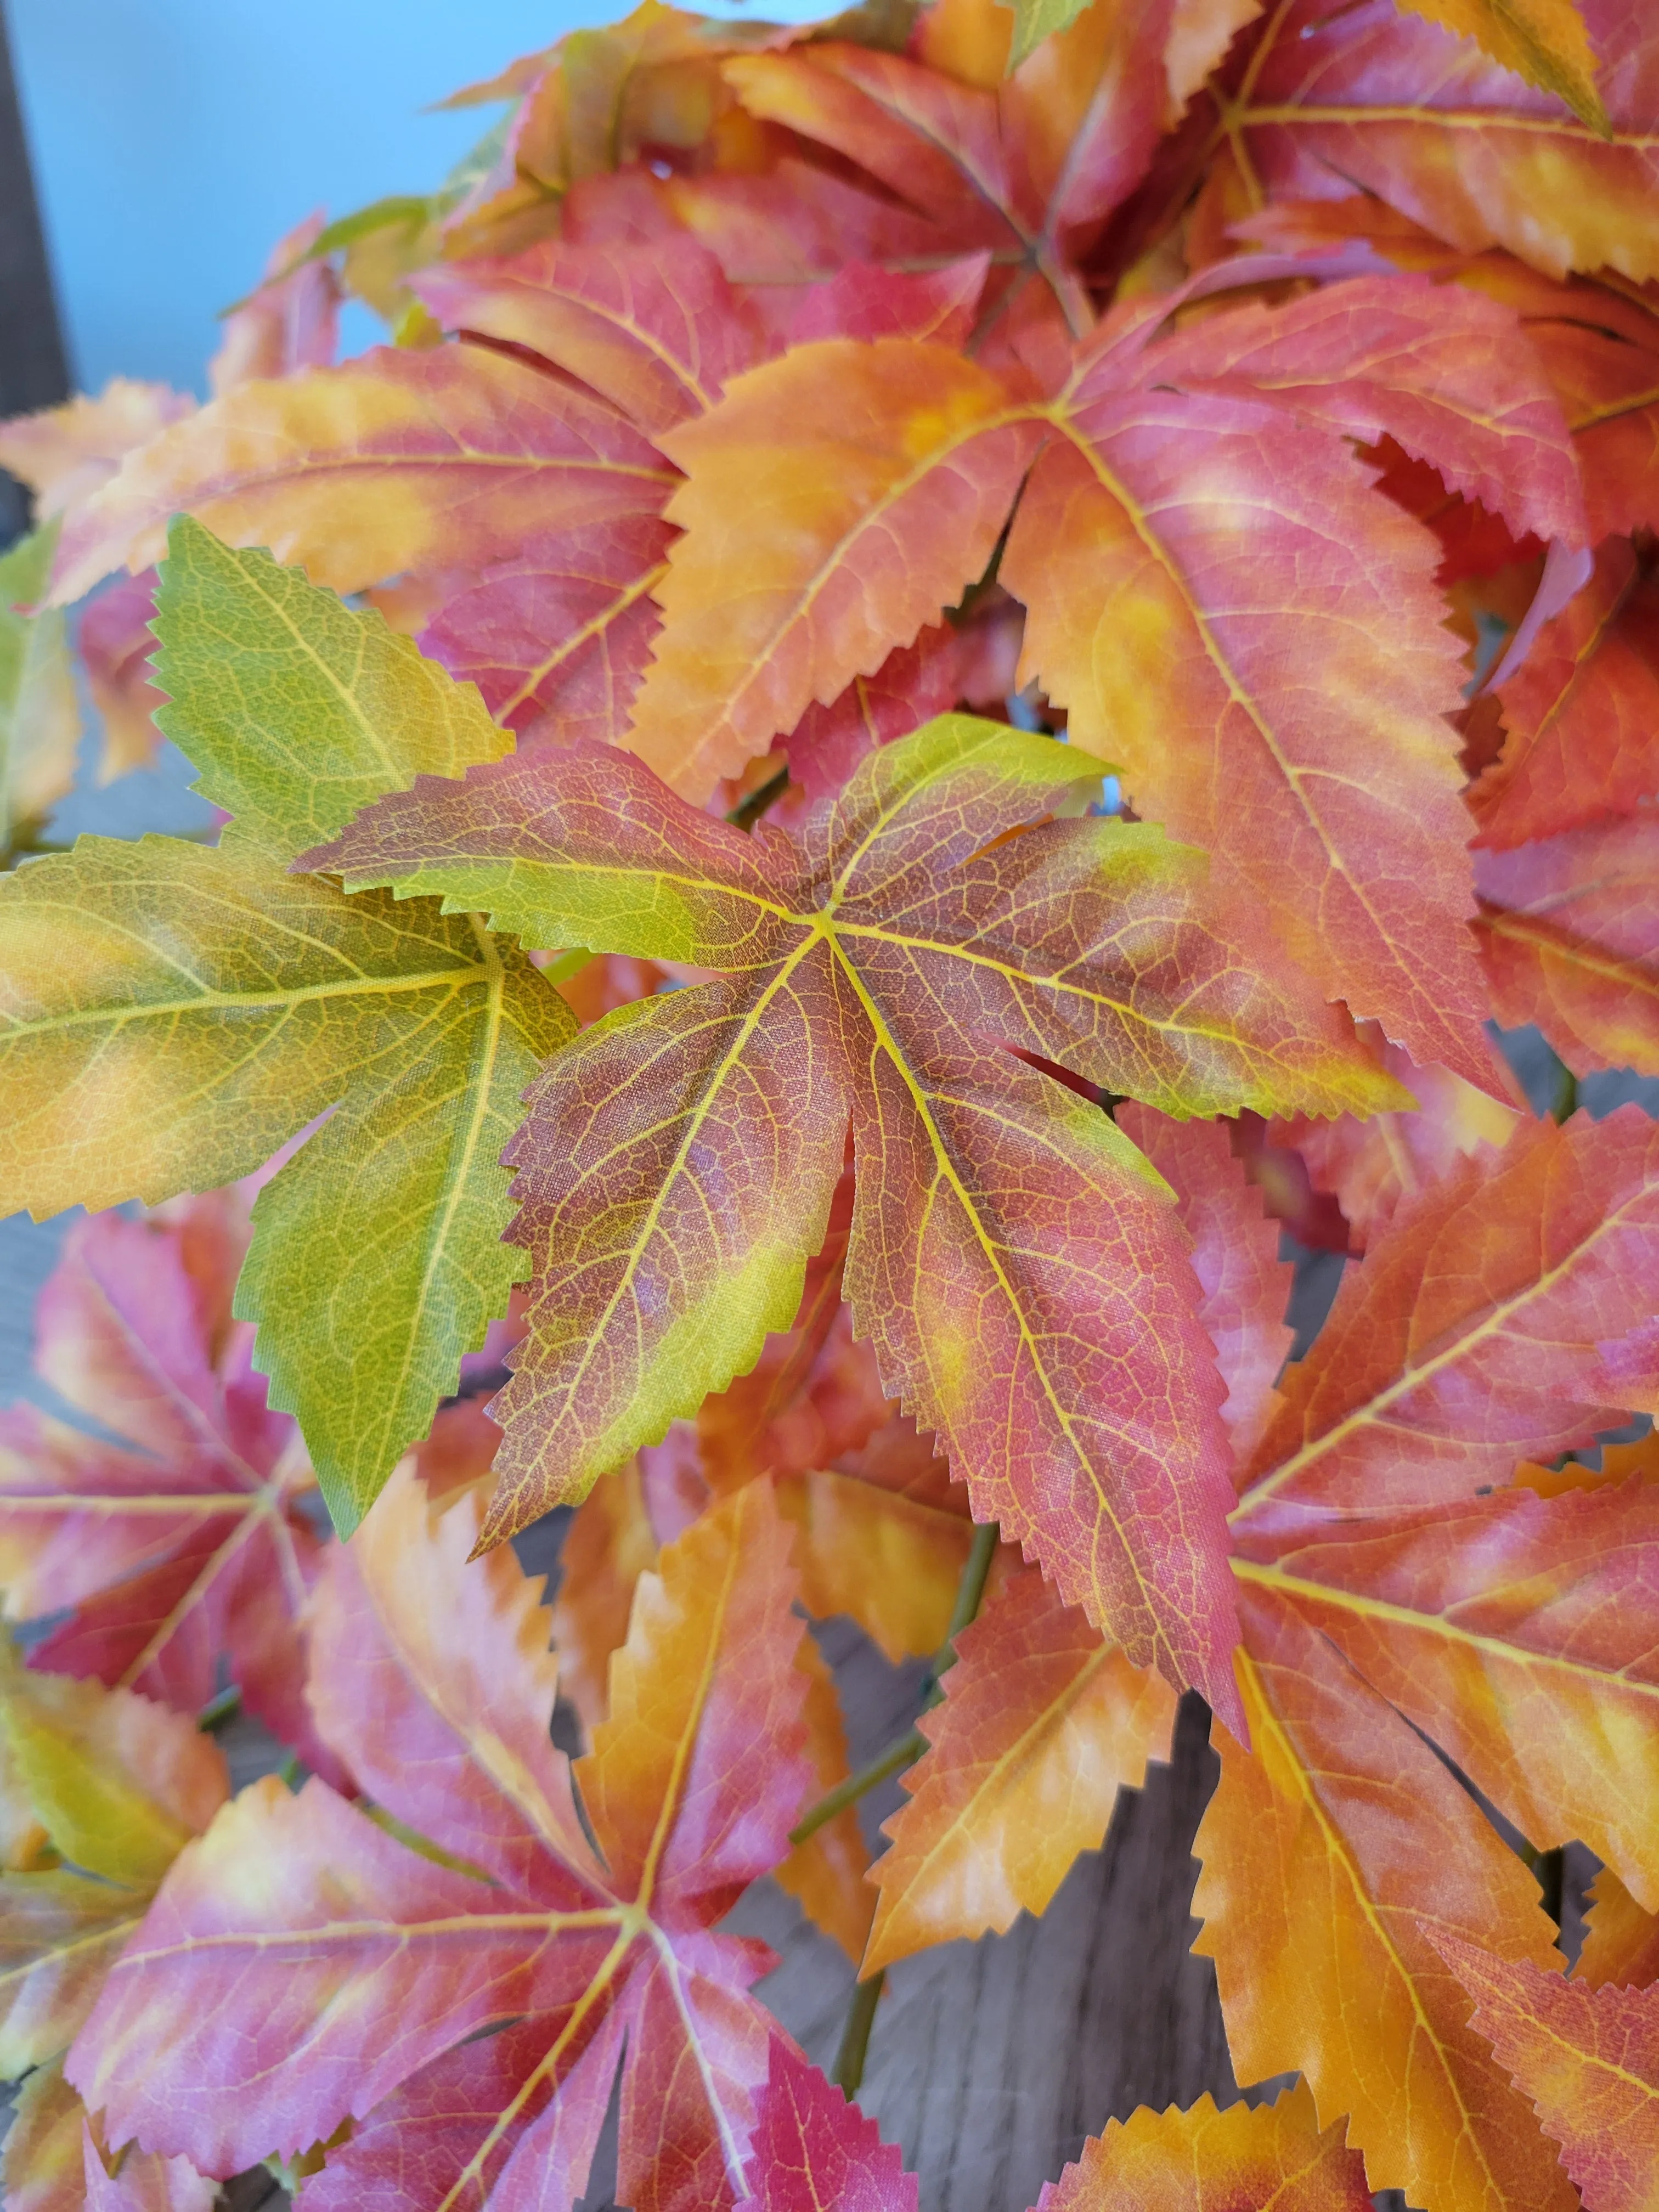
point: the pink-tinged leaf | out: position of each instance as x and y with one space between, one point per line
659 334
1587 2060
183 1544
863 300
812 2148
935 143
963 1335
442 2132
1000 1219
434 1685
1582 713
1471 1336
116 644
558 638
64 454
1246 1285
1083 114
910 686
1445 372
141 2183
452 457
774 235
291 321
323 1921
1569 935
1601 353
1378 98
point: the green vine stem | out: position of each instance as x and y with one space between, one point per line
847 2074
911 1745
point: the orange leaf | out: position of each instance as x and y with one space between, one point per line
798 574
1622 1941
1328 1858
825 1875
1043 1722
1203 2160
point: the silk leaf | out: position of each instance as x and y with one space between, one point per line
679 1164
171 1014
435 1683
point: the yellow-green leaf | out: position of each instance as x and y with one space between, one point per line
170 1015
296 709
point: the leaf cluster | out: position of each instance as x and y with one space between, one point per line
955 660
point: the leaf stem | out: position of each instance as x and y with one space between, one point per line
848 2072
748 812
219 1711
911 1745
898 1753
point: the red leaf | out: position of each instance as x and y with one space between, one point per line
182 1543
812 2148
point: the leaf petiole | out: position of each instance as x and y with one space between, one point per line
911 1745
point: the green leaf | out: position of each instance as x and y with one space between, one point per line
39 713
296 709
170 1015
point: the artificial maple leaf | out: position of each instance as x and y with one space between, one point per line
1375 100
434 1675
1569 935
400 460
1391 1598
882 1535
1506 1284
1025 171
173 1541
812 2148
837 499
117 1786
289 321
1203 2160
1588 2060
613 1538
865 966
1311 1897
1598 344
1582 713
1043 1721
40 715
170 1014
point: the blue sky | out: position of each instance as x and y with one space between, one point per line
175 140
